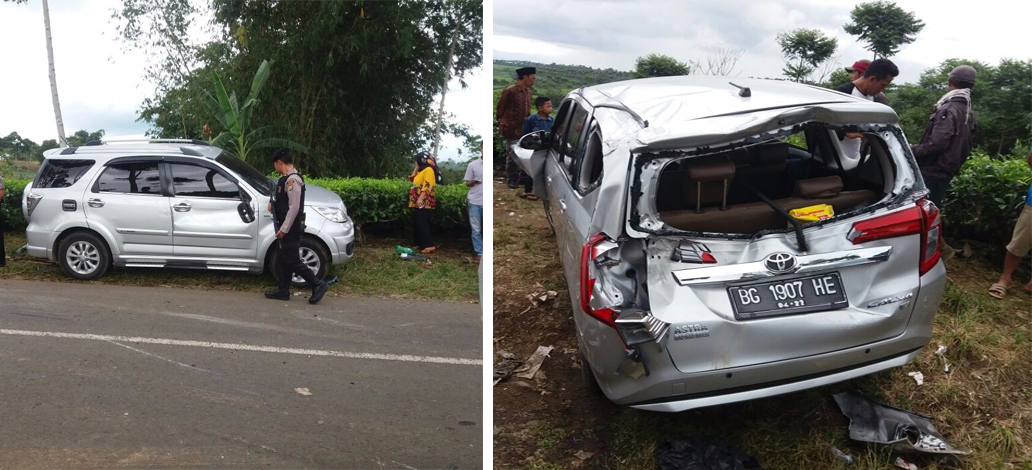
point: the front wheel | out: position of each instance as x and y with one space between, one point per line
84 256
313 255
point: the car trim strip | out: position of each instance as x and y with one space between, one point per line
756 270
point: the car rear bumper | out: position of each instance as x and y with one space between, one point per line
39 243
670 390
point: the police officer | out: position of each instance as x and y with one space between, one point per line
287 206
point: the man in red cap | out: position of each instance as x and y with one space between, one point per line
856 71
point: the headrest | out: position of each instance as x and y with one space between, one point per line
740 156
771 153
828 186
716 171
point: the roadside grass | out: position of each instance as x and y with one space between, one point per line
983 404
374 271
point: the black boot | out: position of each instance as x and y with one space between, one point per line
318 292
278 294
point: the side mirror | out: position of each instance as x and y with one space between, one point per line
245 212
538 140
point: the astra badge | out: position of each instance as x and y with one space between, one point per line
690 331
781 263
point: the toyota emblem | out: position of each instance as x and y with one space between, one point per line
781 263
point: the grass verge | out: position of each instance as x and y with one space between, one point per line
374 271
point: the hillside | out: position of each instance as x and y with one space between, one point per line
554 80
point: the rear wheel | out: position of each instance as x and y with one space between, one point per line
313 255
589 378
84 256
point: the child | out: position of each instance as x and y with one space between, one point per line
542 121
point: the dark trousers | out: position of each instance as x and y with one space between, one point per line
421 219
288 260
937 188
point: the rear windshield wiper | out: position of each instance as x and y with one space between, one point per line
795 223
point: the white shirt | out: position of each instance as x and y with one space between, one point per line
851 147
475 172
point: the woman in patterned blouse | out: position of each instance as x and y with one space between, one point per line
423 200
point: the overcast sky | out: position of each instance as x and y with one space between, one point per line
612 34
101 86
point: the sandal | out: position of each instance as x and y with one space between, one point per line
998 290
428 250
529 196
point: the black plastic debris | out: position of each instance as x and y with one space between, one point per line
906 432
331 279
702 453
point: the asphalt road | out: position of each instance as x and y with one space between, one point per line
96 376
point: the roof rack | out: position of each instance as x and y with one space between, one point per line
186 151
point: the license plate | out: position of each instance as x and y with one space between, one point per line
801 295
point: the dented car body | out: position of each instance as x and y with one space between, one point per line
692 283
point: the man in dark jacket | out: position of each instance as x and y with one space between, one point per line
946 142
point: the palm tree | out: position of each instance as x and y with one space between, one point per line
53 76
237 119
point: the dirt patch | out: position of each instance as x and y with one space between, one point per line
984 403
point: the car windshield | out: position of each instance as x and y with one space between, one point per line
254 178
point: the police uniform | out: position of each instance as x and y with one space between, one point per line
288 209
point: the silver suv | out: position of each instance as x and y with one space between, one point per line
724 242
169 203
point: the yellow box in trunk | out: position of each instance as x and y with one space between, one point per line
813 213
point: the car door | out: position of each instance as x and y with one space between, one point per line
128 201
206 223
569 215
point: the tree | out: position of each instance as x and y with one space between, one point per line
82 136
461 18
53 74
720 63
356 81
808 47
236 118
884 26
659 65
836 78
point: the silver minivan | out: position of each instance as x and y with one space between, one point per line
169 203
729 241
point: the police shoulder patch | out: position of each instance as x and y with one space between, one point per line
290 185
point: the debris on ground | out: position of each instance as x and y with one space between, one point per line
331 279
904 464
537 298
583 455
702 453
504 367
918 377
303 392
844 457
941 352
902 430
967 252
533 363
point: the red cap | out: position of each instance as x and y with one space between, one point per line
859 66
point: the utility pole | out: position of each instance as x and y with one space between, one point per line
53 78
444 90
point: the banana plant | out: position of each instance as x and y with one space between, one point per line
237 119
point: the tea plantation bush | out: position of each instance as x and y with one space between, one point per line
985 199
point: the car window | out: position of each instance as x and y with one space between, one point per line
589 166
61 173
559 127
247 173
198 181
130 178
573 135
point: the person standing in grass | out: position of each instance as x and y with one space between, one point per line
423 200
475 182
540 121
3 253
947 138
1019 246
513 108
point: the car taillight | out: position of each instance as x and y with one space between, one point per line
587 282
32 200
923 218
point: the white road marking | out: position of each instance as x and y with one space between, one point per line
188 366
248 347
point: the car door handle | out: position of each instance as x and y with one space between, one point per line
562 205
94 202
182 207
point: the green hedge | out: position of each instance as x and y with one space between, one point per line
368 200
984 200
